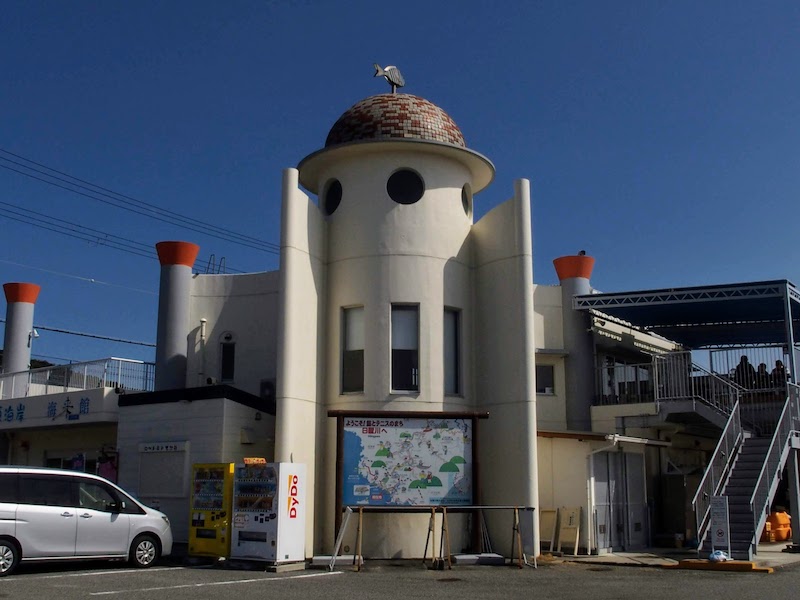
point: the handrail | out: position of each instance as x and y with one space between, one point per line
125 373
127 360
734 390
667 377
776 455
717 470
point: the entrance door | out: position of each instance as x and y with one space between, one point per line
636 502
620 508
607 508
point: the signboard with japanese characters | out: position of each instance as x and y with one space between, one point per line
407 461
68 408
162 447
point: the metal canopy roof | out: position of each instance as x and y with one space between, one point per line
739 314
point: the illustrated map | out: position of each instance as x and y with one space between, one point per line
407 462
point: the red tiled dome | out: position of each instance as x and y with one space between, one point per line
395 116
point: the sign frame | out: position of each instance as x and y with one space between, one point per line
341 415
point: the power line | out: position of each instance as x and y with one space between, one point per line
88 233
79 236
69 360
81 232
79 278
91 335
122 201
97 337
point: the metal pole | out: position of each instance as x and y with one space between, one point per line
794 494
360 532
340 537
789 333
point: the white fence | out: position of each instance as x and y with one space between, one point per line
122 373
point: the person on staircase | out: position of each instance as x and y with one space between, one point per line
745 374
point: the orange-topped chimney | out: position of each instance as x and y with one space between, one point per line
574 273
177 259
20 298
21 292
177 253
574 266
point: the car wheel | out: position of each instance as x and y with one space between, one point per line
9 556
145 551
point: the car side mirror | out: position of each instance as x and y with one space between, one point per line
117 507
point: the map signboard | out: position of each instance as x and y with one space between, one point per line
407 461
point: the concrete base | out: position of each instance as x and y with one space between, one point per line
343 560
259 565
485 558
204 561
286 567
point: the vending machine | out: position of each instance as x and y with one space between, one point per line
269 512
209 529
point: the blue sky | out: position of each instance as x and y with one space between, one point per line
661 137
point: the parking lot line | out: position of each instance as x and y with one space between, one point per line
92 573
199 585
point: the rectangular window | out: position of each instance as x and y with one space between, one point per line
405 347
46 490
8 487
353 350
227 361
96 496
452 372
544 379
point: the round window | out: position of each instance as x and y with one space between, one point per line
466 199
405 187
332 196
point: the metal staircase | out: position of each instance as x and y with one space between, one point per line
758 432
760 426
739 489
747 468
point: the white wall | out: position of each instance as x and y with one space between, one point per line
551 410
505 370
247 432
209 427
548 317
380 252
563 477
301 344
604 418
245 305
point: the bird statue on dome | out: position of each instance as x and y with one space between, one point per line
392 75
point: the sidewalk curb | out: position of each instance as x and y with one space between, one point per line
737 566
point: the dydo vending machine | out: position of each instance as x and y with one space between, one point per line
209 529
269 511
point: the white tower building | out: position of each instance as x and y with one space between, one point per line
393 300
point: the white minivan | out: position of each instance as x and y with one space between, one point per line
53 514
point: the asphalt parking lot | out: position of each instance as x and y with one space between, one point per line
389 580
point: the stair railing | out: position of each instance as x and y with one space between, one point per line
678 378
788 425
717 472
